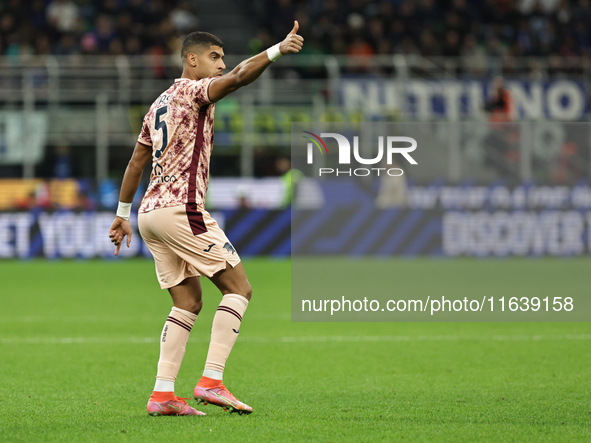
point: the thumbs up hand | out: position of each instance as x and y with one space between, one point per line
292 44
296 26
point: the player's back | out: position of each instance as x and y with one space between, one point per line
179 128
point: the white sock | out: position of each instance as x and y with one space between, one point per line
210 373
164 386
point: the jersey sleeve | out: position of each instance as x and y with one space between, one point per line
199 90
144 137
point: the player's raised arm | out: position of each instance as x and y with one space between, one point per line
249 70
142 155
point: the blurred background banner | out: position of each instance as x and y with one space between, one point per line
452 99
496 94
81 234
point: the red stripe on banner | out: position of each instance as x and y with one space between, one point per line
230 311
179 323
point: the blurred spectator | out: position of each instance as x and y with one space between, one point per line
42 45
430 16
116 47
62 167
428 44
17 45
526 6
182 17
133 45
582 12
326 31
124 26
451 45
109 8
37 15
474 56
88 44
376 32
7 27
406 12
360 52
407 47
67 45
500 104
138 11
104 33
290 179
63 15
453 24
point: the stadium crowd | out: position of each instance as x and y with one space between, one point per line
355 27
438 28
65 27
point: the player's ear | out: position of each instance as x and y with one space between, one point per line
191 59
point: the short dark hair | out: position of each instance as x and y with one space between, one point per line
199 38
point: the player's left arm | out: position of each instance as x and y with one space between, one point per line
249 70
142 155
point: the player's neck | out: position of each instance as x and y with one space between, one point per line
189 75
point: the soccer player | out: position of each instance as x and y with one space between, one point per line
186 242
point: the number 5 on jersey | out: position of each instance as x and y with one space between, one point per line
161 124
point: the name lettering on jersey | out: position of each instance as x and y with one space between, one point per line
163 100
158 173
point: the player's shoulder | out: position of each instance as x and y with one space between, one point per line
188 83
195 91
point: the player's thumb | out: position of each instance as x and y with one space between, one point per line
128 239
296 26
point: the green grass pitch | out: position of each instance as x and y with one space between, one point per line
79 346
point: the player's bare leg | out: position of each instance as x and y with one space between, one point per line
233 280
236 291
187 302
187 295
